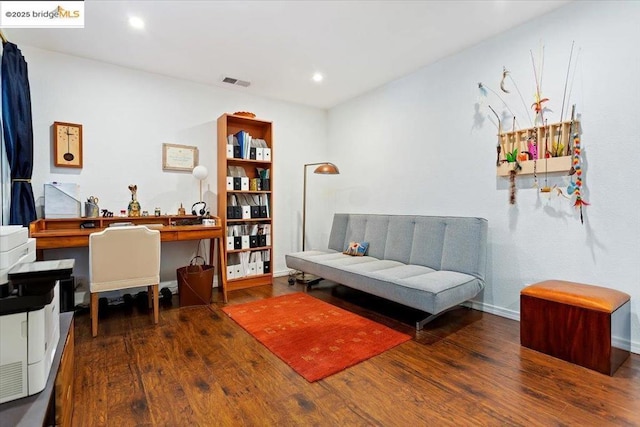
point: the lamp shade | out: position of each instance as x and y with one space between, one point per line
200 172
327 169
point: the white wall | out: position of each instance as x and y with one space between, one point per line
418 146
127 115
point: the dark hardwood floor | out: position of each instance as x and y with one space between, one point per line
199 368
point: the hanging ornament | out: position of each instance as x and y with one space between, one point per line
546 188
505 73
538 99
532 146
575 187
512 182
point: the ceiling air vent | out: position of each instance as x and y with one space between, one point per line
236 82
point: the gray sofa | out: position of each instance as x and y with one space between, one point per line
429 263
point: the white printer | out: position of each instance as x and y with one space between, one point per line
29 314
15 247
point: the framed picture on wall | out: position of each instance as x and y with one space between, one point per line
179 157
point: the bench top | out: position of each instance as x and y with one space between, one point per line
577 294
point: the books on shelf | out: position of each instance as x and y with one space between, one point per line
246 264
237 179
247 206
248 236
243 146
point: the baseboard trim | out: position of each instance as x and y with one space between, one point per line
515 315
281 273
493 309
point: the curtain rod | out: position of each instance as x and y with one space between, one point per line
4 39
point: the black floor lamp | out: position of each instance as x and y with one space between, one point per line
323 168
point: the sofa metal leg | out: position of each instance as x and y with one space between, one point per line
420 324
302 277
307 279
313 282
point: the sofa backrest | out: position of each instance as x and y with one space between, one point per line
438 242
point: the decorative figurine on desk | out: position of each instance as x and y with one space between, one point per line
134 206
181 210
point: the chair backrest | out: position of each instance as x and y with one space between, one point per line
124 257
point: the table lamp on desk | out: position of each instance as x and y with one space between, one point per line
199 208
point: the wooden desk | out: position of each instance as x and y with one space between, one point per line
67 233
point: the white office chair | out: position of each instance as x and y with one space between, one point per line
122 258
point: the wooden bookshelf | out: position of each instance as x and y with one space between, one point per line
235 273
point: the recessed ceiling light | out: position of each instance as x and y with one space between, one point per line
317 77
136 22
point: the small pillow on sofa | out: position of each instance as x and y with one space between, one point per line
356 248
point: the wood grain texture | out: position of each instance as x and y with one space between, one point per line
66 233
198 367
65 379
572 333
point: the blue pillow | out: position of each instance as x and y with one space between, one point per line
356 248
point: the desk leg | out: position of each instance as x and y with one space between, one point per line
221 265
222 269
211 248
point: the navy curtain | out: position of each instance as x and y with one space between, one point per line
18 133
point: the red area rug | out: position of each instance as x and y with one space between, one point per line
315 338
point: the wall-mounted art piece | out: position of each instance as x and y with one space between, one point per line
67 145
179 157
537 148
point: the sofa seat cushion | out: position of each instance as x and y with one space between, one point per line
412 285
317 256
400 273
374 265
346 261
436 281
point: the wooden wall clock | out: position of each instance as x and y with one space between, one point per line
67 145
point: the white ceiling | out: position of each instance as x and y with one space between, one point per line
278 45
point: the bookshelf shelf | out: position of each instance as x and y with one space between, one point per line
248 161
249 191
259 248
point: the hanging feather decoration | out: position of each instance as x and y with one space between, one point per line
505 73
498 147
483 92
575 188
512 182
538 99
532 144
